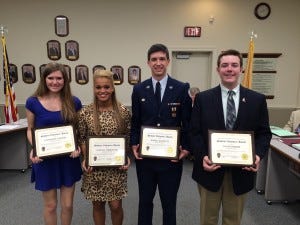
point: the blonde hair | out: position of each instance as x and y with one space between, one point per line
99 73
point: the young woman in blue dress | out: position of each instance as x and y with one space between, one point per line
52 104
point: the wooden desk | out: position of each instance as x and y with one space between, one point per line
14 151
281 184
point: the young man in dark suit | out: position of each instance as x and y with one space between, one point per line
172 109
219 184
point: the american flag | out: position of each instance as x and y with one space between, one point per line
10 107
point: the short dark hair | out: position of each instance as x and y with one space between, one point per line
230 52
158 48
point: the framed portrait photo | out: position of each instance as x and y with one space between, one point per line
82 74
134 75
13 72
72 50
68 70
98 67
61 26
53 50
42 68
117 74
28 73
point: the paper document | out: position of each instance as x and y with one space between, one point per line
296 146
281 132
9 126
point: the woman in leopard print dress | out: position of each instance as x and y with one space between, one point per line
105 116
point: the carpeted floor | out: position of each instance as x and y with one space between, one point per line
20 204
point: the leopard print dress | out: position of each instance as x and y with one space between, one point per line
103 184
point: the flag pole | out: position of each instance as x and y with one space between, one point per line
247 80
253 35
3 30
10 108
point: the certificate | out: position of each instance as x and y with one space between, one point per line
106 151
235 148
51 141
159 142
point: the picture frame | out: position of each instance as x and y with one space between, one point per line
53 140
107 151
61 25
134 75
68 70
72 50
221 143
118 74
98 67
28 73
156 142
263 72
82 74
13 72
53 50
41 69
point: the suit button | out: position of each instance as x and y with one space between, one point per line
158 124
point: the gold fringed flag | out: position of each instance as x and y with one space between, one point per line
247 80
10 107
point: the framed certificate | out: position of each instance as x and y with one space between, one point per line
234 148
52 141
159 142
106 151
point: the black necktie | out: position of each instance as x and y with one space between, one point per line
230 115
157 93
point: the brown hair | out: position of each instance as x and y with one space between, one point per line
158 48
68 110
230 52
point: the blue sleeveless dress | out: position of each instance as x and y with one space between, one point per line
58 171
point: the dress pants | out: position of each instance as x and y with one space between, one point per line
232 204
165 175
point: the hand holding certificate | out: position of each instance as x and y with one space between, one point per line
231 148
159 142
52 141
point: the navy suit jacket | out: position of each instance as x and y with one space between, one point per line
175 109
208 114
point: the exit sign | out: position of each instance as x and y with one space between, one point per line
192 31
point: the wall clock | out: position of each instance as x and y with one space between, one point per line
262 11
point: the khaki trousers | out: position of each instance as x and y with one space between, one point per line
232 205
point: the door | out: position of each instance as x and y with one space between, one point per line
193 67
